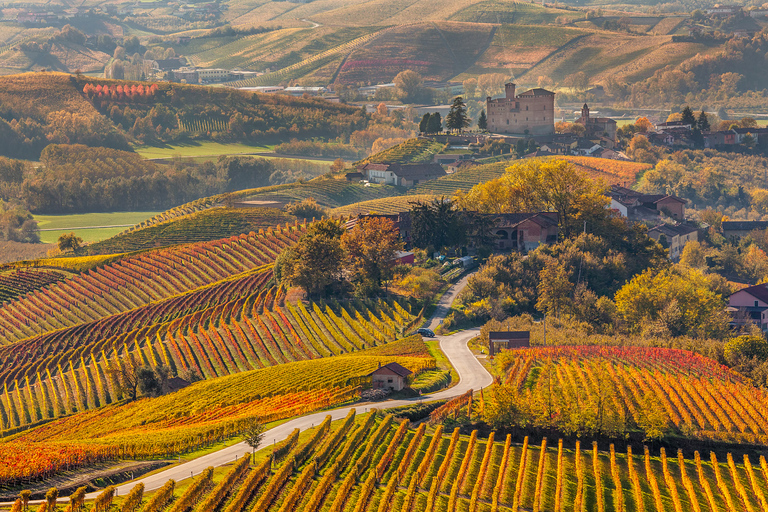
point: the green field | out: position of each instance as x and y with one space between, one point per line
200 149
81 224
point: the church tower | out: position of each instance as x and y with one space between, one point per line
585 114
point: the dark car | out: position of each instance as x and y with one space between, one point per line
427 333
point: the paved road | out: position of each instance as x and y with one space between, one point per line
471 372
472 375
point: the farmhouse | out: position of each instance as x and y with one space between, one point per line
530 113
390 376
405 175
524 232
750 305
674 237
637 206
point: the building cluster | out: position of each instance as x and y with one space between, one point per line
530 113
680 134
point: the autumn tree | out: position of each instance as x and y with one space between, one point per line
69 242
315 262
534 186
678 300
409 84
253 433
643 125
126 371
555 289
369 250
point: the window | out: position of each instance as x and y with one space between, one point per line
756 304
507 121
526 107
389 381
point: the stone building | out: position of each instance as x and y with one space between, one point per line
529 113
597 126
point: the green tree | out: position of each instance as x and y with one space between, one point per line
687 116
148 383
253 433
369 250
315 262
482 121
436 224
435 124
748 346
457 118
703 122
424 123
69 242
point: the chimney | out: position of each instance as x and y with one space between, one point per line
379 364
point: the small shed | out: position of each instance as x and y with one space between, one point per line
498 340
390 376
354 176
404 258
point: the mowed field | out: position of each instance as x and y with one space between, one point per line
199 149
91 227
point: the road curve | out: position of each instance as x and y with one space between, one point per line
472 375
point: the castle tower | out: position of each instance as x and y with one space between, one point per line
585 113
509 89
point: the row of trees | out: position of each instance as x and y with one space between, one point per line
77 178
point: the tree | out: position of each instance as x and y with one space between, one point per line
424 123
25 496
703 122
253 433
681 300
687 116
482 121
306 209
370 252
126 370
148 383
315 262
643 124
435 124
693 255
555 289
748 346
409 84
748 140
457 118
436 224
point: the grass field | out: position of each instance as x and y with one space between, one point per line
75 223
200 149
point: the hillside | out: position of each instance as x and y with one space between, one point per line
42 108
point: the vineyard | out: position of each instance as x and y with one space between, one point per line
372 464
463 179
686 394
385 206
203 413
20 282
139 280
204 124
201 226
327 191
409 152
220 330
609 171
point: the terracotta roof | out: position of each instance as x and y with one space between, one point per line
673 230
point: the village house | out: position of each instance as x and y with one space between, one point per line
735 230
530 113
402 175
524 232
597 126
390 376
640 207
674 237
749 305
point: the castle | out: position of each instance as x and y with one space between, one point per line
597 126
530 113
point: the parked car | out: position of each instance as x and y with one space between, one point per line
427 333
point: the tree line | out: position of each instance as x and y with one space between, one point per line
78 178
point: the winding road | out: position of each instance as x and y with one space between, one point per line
472 375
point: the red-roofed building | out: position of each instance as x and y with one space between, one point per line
390 376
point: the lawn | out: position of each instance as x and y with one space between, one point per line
81 224
200 149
